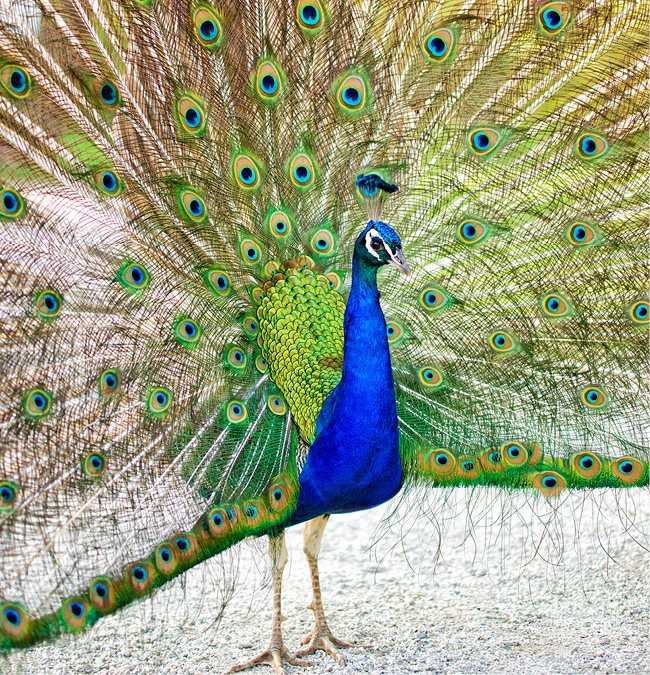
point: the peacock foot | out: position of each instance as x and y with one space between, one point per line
275 657
321 638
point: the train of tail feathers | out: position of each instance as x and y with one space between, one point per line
196 199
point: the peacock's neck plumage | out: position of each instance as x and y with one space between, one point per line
354 461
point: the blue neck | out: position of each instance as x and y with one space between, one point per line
354 462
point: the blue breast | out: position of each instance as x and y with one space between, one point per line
354 461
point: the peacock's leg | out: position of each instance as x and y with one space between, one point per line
276 654
321 636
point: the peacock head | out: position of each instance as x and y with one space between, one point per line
379 245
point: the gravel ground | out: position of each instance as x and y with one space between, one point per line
510 593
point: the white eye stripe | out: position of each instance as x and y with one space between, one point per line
369 237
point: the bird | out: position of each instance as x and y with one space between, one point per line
200 203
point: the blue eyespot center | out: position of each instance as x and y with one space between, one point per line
77 609
161 398
309 14
469 231
247 175
552 18
101 590
481 141
39 401
500 340
430 298
269 84
137 275
18 80
549 481
189 328
196 208
302 174
494 457
321 244
12 616
236 410
514 451
109 181
428 374
251 511
208 29
626 467
588 145
351 95
442 459
437 46
7 494
239 357
192 117
10 202
222 282
251 253
108 93
183 544
50 302
139 573
217 519
586 462
280 226
96 462
277 494
592 395
110 380
468 466
390 330
230 513
641 311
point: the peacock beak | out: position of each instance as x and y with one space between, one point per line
398 260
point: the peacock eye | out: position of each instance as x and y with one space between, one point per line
376 244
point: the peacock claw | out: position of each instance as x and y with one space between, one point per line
321 638
273 657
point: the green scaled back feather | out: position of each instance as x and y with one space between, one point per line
153 184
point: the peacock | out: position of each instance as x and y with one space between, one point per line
199 201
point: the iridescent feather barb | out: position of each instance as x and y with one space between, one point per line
183 192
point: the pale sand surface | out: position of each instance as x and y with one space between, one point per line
483 604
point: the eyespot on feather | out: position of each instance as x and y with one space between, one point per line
246 172
431 377
16 81
186 545
94 464
133 277
502 342
279 224
492 460
269 81
235 358
302 171
261 364
251 251
639 312
311 16
583 234
586 464
102 594
627 469
158 401
471 231
108 182
553 17
323 242
556 306
192 207
438 45
352 94
74 613
483 141
276 405
591 146
218 281
514 454
255 512
594 397
236 412
12 205
14 621
218 522
468 468
434 298
106 92
8 496
37 404
278 495
549 483
208 27
187 332
110 382
48 304
190 115
139 576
